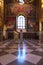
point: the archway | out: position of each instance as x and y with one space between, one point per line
21 22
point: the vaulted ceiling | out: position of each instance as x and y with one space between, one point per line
34 2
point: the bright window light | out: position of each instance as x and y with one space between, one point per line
21 2
21 22
0 3
41 1
21 53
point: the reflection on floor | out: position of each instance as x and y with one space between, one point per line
33 53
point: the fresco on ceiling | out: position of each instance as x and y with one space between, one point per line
16 9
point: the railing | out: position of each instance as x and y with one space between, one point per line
39 34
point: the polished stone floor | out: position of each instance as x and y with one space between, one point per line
29 52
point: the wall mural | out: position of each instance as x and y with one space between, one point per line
15 9
28 9
11 23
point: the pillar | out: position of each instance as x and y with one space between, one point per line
40 32
1 18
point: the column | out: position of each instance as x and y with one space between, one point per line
40 32
1 18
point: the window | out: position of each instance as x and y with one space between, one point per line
21 2
20 22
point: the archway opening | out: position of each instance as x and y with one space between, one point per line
21 23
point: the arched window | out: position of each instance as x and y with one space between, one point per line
21 22
21 2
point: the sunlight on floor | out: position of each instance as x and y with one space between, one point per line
21 53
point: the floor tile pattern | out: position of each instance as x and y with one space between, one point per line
9 53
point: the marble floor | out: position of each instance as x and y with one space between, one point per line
30 52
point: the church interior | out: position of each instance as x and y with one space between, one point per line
21 32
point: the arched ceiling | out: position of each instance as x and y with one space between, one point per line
28 7
17 1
